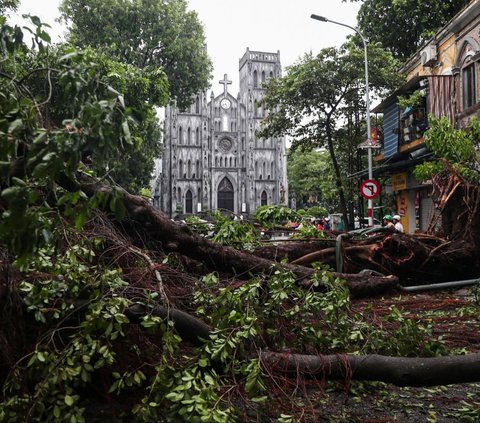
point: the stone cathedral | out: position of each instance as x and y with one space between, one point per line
212 158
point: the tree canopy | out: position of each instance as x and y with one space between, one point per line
149 34
8 5
310 173
403 26
150 39
316 96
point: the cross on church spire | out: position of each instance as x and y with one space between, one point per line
225 82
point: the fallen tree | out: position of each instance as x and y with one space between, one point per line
400 371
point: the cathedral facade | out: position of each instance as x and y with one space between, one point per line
212 158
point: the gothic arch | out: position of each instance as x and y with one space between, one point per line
189 136
264 198
225 195
466 65
263 77
197 105
188 202
180 170
255 79
468 41
180 135
197 136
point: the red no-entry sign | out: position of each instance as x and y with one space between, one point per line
369 189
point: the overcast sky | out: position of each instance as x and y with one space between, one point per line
263 25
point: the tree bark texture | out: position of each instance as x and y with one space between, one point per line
400 371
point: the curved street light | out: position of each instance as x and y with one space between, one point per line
367 101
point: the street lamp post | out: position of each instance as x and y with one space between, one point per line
367 101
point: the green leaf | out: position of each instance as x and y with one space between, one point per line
45 36
15 126
36 20
174 396
69 56
19 182
69 400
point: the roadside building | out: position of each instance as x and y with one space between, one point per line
442 80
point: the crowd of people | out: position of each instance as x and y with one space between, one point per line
323 224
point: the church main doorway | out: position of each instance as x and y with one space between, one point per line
225 195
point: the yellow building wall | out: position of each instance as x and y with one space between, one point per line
447 52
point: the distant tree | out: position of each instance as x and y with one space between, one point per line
149 34
318 93
310 174
402 26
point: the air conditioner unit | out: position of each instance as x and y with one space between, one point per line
429 55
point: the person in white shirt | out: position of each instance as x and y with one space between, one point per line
397 223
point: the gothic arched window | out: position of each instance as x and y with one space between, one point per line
271 74
263 199
263 77
189 136
180 135
180 169
189 169
197 136
197 105
225 195
188 202
197 168
179 196
255 78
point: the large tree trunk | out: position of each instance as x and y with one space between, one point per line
400 371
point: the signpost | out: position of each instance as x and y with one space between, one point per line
370 189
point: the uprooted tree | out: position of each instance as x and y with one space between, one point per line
110 310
